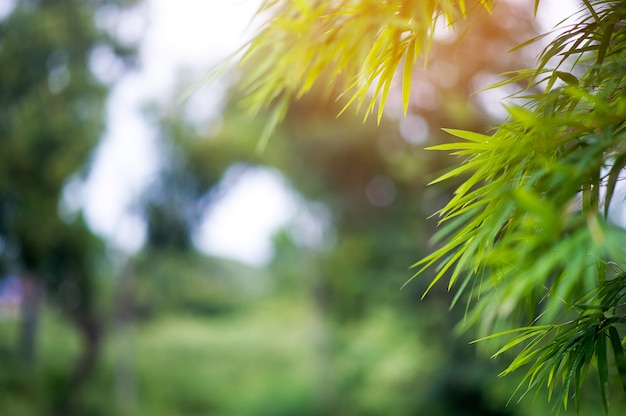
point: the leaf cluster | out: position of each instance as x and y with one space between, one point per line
560 354
529 230
356 46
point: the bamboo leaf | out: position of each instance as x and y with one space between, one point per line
459 146
567 78
468 135
515 341
458 171
604 43
408 74
532 203
276 116
513 331
603 371
617 167
536 8
618 353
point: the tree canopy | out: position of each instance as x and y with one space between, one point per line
528 240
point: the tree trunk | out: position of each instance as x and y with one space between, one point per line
29 319
125 378
89 328
326 383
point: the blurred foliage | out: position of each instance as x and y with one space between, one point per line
325 328
51 119
206 287
265 360
528 234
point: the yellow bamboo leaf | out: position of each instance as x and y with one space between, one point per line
408 73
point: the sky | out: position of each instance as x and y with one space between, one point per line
193 35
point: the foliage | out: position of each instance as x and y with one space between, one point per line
529 229
51 119
527 238
353 45
208 286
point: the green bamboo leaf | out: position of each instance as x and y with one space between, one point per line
460 291
604 43
453 226
460 146
567 78
539 370
515 341
468 135
522 115
530 42
530 202
449 263
458 171
513 331
592 10
587 354
276 116
617 167
618 353
598 101
603 370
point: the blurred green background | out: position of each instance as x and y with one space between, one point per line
325 328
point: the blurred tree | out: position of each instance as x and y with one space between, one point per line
175 202
51 118
171 275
